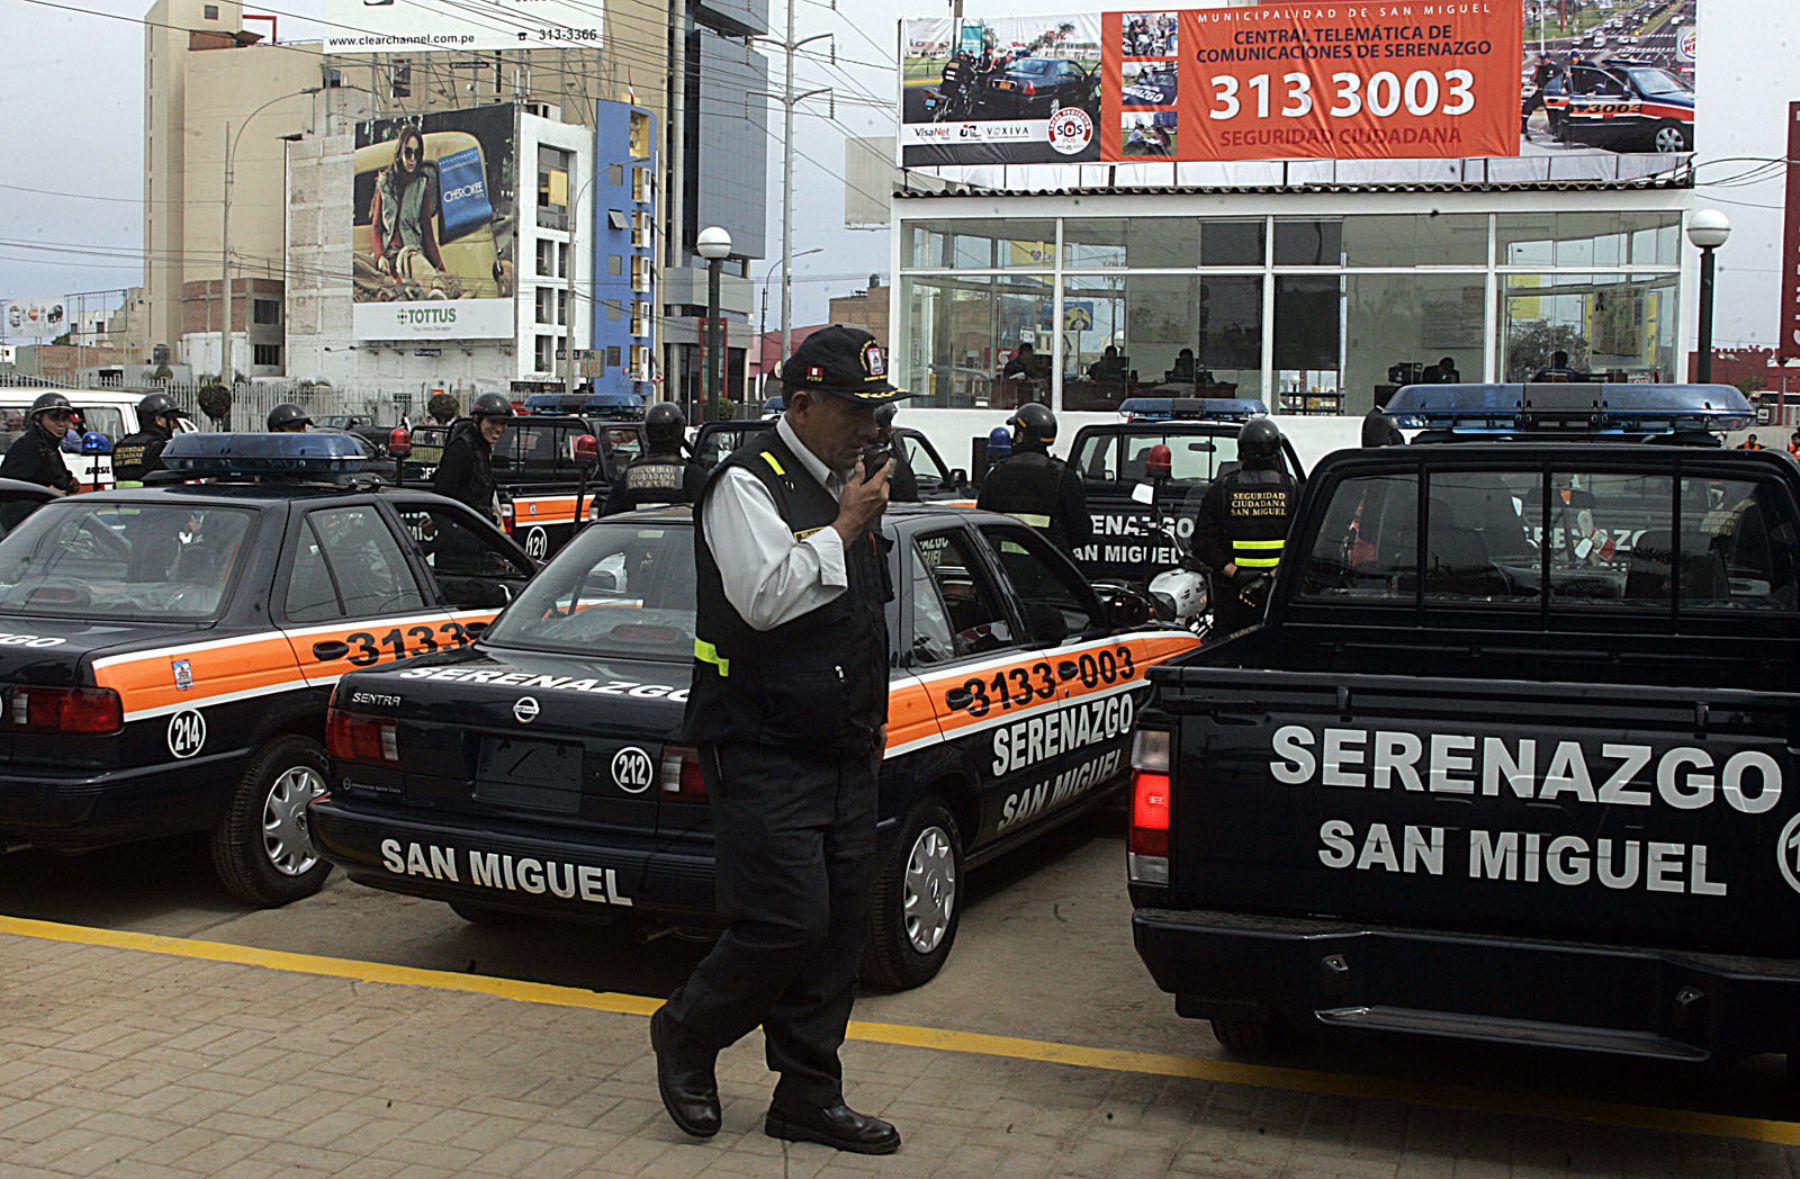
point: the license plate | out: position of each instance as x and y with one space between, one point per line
543 775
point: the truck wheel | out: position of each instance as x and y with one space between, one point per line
262 848
916 905
485 916
1245 1037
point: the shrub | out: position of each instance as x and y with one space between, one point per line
443 408
215 401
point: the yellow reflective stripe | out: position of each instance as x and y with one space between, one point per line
1032 518
705 652
775 463
1257 562
125 483
1265 545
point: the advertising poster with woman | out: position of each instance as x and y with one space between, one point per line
434 226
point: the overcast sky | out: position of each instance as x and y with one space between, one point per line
74 125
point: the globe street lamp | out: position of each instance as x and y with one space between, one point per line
714 244
1707 230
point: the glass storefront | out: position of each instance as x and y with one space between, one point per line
1308 314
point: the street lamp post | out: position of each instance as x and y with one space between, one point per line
714 244
1707 230
779 265
231 142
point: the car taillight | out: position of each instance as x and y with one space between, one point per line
66 710
1030 88
681 776
1147 848
368 740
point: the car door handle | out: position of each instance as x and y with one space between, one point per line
327 650
958 698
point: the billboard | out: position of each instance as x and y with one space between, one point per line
36 319
409 26
434 216
1279 80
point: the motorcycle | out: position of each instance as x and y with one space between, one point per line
1179 595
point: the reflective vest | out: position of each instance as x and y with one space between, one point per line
1028 487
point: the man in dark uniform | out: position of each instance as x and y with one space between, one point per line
139 453
903 485
1044 492
789 712
1559 372
663 475
288 418
36 455
466 472
1243 524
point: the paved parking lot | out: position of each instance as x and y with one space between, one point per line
364 1034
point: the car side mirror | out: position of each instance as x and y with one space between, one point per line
958 478
1121 607
330 650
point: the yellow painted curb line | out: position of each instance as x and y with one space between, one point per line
1227 1072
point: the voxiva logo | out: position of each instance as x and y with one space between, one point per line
425 316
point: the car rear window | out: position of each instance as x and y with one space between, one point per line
619 590
128 563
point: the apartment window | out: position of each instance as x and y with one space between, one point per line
640 185
546 353
615 264
640 229
640 362
562 258
553 188
640 319
639 137
615 175
211 12
640 274
613 308
612 355
546 259
546 305
266 355
562 307
616 219
400 83
265 311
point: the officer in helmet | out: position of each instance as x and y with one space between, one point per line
1042 491
288 418
1243 526
903 485
663 475
466 472
140 452
36 455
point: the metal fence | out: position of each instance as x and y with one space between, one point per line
251 403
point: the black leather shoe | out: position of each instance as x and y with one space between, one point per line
685 1080
837 1126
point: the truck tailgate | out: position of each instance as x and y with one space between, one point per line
1659 816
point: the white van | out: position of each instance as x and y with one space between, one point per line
112 412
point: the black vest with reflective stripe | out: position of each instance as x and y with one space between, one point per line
1258 503
1029 486
655 479
819 681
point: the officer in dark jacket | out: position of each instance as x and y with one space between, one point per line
1243 524
1044 492
789 712
466 472
903 485
36 455
139 453
664 475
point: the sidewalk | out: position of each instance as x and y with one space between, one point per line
127 1062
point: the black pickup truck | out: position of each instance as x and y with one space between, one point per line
1509 757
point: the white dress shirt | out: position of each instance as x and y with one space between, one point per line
770 578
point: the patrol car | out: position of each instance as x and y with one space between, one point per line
541 472
938 482
1512 756
1623 106
538 772
166 653
1112 460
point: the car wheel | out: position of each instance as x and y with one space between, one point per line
917 903
1672 139
1246 1037
262 848
484 915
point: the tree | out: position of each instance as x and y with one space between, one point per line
1530 346
443 408
215 402
1750 386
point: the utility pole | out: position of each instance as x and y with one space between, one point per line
789 100
225 254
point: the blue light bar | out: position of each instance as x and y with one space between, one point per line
1215 409
293 456
1581 409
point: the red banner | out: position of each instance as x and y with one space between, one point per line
1789 347
1359 81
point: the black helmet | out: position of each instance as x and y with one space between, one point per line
665 425
286 416
1034 427
491 405
1259 441
158 405
48 401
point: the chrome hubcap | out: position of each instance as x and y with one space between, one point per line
286 840
1668 140
930 894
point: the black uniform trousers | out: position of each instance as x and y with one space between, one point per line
794 841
